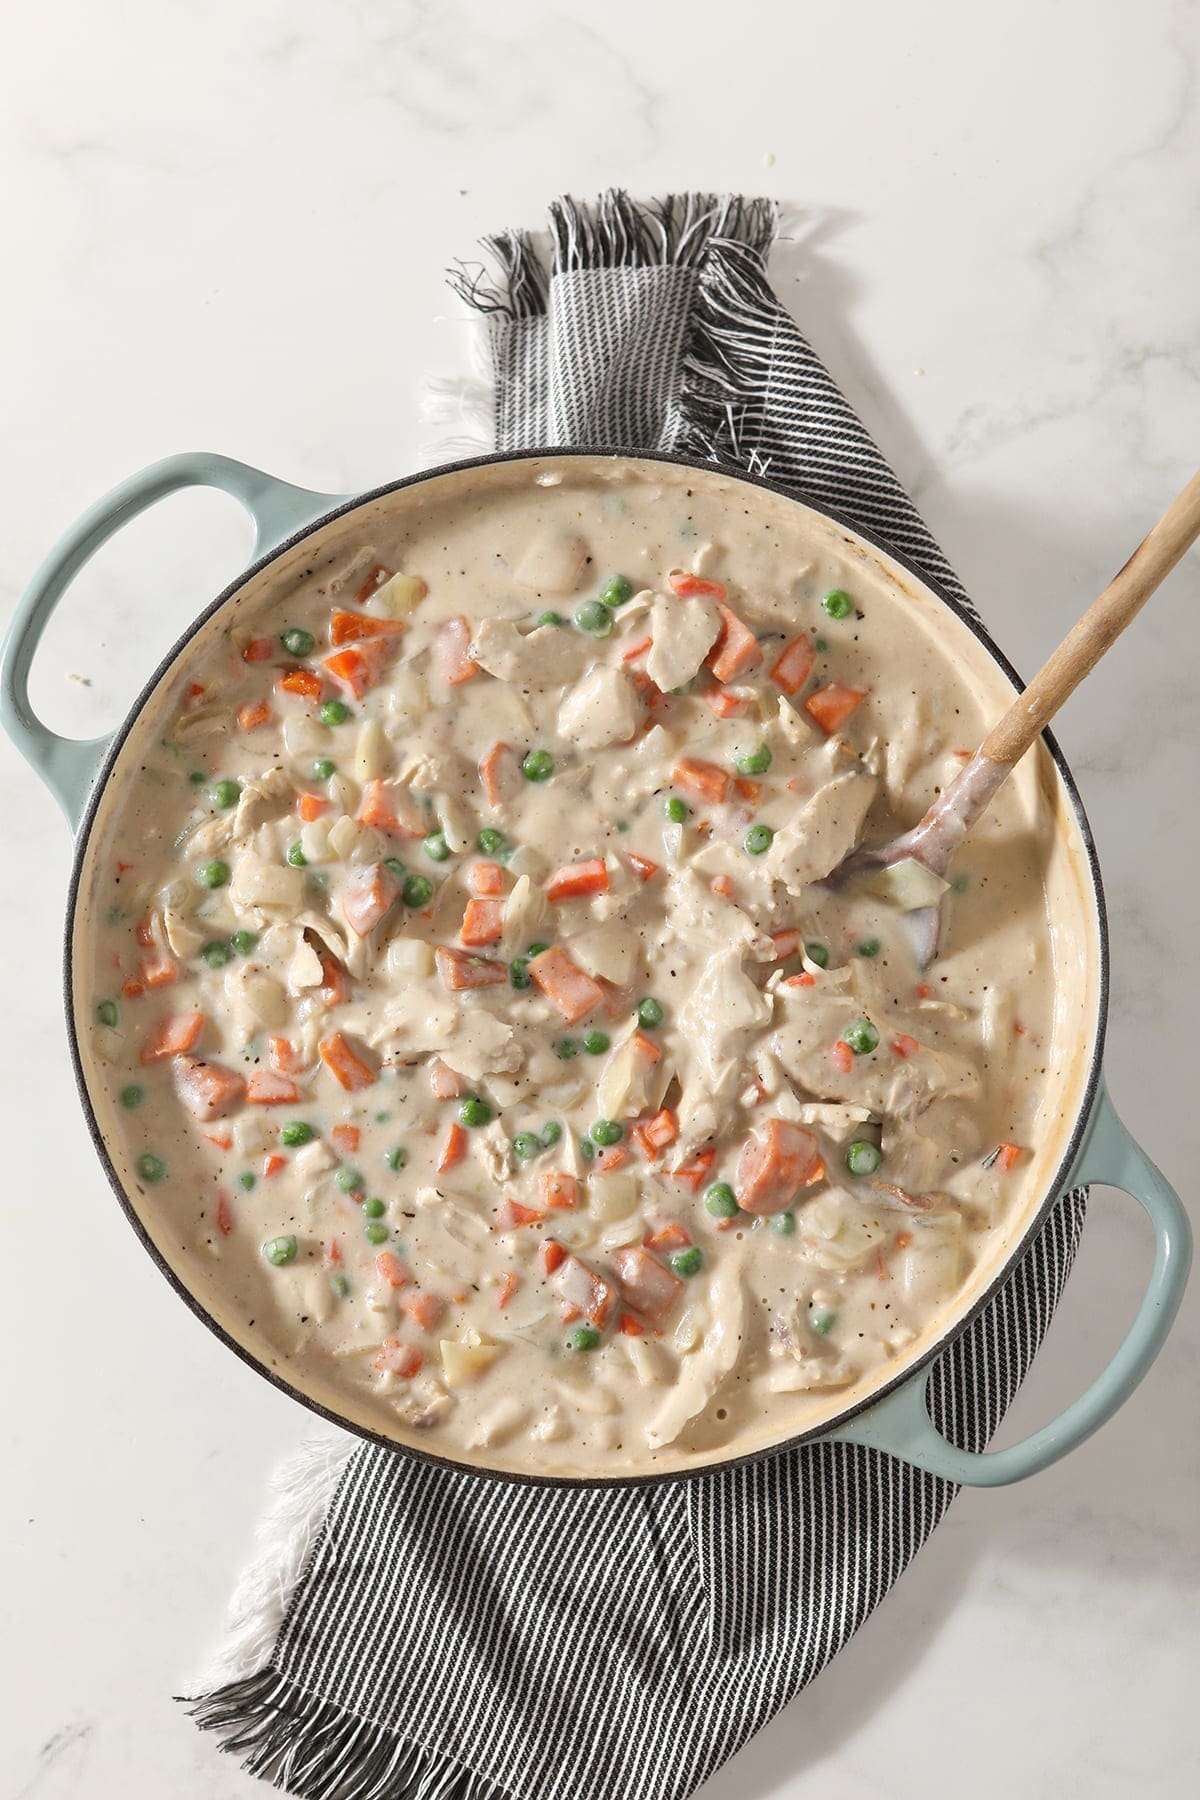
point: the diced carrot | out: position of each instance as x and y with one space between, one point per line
644 1048
458 969
359 666
551 1256
334 986
259 650
224 1213
736 649
333 1252
568 988
774 1162
573 879
494 768
453 1149
694 1172
506 1288
195 689
647 1286
281 1053
629 1325
374 578
692 587
841 1056
705 780
902 1241
344 1063
924 991
207 1089
724 704
354 628
145 932
568 1313
483 923
804 979
513 1215
818 1174
662 1129
451 654
881 1268
485 879
793 666
724 887
580 1287
252 714
786 942
273 1164
173 1037
221 1139
390 809
368 895
304 682
747 790
642 867
267 1088
833 705
346 1137
159 971
397 1358
389 1268
310 807
1006 1157
557 1190
616 1158
444 1084
668 1237
905 1045
425 1310
133 990
636 650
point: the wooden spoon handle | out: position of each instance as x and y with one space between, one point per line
1100 626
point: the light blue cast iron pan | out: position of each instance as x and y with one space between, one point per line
896 1417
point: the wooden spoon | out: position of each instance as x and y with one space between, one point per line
933 841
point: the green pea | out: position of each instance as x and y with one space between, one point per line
607 1131
339 1285
650 1012
334 712
838 604
298 642
533 950
596 1043
822 1322
108 1013
783 1224
566 1049
216 954
396 1157
373 1209
518 972
959 884
526 1145
418 890
348 1180
754 762
473 1111
863 1157
132 1095
587 1149
490 841
758 839
396 866
280 1250
616 591
677 810
197 777
869 946
225 794
151 1167
244 941
821 644
584 1337
687 1262
323 768
297 857
537 765
213 874
435 847
247 1179
550 618
861 1036
594 617
721 1201
381 1118
551 1134
817 953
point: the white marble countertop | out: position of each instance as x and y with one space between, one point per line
225 228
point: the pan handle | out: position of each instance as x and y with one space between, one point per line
69 766
900 1423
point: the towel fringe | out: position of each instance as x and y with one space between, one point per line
727 358
318 1750
518 287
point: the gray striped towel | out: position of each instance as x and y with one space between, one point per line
455 1638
